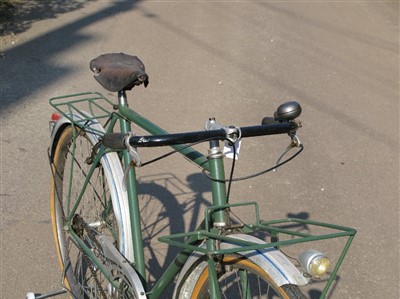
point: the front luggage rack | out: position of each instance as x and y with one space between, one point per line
272 228
194 241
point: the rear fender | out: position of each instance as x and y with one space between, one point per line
114 174
271 260
56 129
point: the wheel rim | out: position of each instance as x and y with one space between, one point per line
260 284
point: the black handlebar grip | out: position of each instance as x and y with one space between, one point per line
268 120
114 140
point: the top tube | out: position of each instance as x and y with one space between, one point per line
188 152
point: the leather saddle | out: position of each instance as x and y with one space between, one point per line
119 71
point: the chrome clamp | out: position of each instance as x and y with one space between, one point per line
132 151
233 134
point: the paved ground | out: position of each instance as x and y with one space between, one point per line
236 61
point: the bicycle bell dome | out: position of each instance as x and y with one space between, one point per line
288 111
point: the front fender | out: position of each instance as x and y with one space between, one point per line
271 260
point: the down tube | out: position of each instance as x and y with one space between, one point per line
176 266
172 270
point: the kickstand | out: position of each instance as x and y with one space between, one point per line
32 295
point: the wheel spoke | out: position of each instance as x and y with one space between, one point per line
241 278
93 216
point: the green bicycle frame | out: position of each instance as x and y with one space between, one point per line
215 216
214 165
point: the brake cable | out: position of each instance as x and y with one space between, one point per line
276 166
295 142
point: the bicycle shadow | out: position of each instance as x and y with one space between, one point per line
170 205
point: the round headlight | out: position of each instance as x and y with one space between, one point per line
314 263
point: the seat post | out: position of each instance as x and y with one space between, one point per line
122 99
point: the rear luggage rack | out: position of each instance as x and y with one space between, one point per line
90 107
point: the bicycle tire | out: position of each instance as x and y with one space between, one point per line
100 211
260 284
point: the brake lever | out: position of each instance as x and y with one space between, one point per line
135 162
295 142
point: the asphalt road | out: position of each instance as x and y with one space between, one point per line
236 61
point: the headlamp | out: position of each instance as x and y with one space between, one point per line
314 263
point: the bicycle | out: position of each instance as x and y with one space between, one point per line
96 215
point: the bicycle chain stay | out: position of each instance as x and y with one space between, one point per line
108 254
79 226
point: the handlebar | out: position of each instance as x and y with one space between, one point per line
118 140
282 122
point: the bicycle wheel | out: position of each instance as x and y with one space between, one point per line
238 278
96 214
